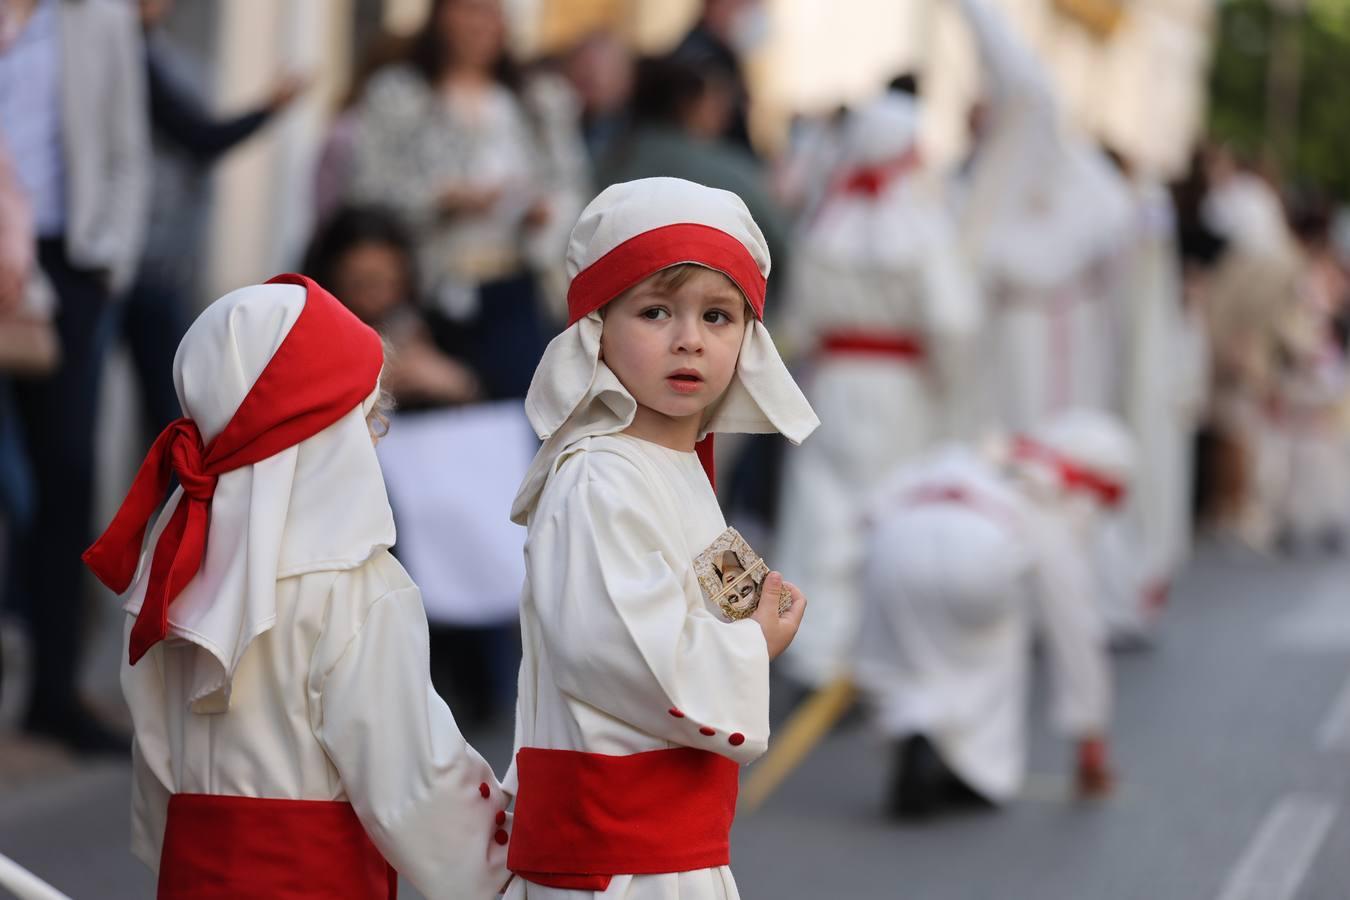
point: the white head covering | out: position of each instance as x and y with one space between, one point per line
1080 452
627 233
881 130
319 505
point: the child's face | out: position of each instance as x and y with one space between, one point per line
675 351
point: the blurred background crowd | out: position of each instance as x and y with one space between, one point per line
1169 177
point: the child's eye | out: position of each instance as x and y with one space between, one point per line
655 312
716 316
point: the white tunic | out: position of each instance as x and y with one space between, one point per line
1166 368
1041 218
953 592
884 266
334 702
616 631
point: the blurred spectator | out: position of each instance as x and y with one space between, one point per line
333 174
600 70
726 32
188 138
366 259
73 114
802 175
28 347
679 113
477 162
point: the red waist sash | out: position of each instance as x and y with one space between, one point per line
866 343
581 818
218 847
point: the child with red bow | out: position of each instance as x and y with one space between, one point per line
288 740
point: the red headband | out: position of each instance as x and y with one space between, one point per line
1074 477
651 251
326 365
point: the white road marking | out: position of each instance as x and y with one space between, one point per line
1277 859
1334 732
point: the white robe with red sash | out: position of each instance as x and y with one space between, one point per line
884 305
962 570
622 654
333 702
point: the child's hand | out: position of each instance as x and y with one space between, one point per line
779 630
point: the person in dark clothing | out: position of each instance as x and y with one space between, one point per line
188 138
725 32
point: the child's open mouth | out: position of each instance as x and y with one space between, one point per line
686 381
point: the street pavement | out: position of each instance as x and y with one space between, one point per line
1232 742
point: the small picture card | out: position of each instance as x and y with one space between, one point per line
732 575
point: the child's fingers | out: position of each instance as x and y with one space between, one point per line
767 611
798 608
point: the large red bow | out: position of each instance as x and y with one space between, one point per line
326 365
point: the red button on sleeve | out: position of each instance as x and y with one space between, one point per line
675 712
709 732
484 790
736 739
501 837
501 817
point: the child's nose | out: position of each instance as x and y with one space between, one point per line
689 336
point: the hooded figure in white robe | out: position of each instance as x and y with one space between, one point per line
1166 371
882 301
970 558
281 696
638 700
1042 216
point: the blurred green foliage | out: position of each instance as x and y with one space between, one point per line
1247 34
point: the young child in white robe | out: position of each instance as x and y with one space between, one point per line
288 741
970 558
638 701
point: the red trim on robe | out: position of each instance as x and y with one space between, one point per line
582 818
220 847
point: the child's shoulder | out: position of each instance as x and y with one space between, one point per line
377 577
608 462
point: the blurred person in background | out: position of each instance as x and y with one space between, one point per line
364 256
188 139
73 113
486 170
886 313
1250 293
680 113
726 32
28 347
600 69
1165 378
971 556
333 172
802 174
1308 410
1043 217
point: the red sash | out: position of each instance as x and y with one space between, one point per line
584 817
222 848
866 343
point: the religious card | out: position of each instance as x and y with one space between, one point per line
732 575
